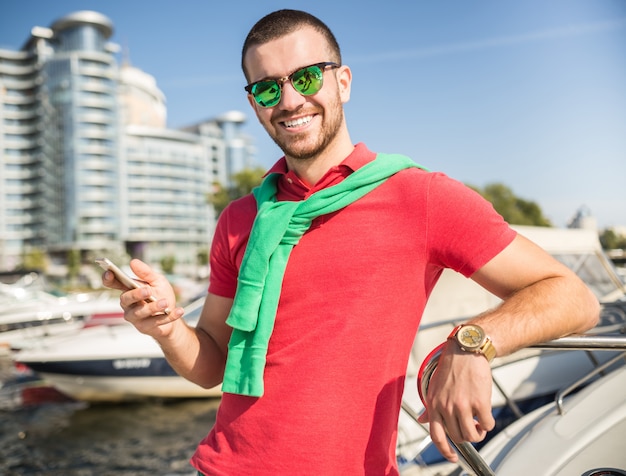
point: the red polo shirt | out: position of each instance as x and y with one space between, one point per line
353 294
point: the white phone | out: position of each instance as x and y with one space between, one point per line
120 275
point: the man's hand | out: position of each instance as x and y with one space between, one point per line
459 400
148 317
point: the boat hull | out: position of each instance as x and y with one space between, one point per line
109 364
588 435
103 388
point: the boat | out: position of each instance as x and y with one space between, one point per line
29 312
527 378
581 432
110 363
523 381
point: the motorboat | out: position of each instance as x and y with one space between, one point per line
522 382
29 312
107 363
582 435
581 432
528 378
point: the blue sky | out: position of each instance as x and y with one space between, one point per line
530 93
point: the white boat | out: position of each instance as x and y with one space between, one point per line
28 312
522 382
110 363
581 432
583 435
528 376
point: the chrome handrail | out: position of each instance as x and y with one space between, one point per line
585 342
560 396
576 342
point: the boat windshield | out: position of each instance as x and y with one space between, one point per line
597 272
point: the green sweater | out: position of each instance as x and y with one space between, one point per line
277 228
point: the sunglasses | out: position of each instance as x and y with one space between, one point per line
306 81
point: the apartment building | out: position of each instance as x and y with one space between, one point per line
86 161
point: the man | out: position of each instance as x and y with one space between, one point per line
324 296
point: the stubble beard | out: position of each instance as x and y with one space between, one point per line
305 147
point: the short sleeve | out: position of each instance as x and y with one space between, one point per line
465 231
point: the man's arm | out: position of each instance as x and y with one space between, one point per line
542 300
198 354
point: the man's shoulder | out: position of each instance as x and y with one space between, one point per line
242 205
240 212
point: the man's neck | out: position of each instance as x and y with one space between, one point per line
311 170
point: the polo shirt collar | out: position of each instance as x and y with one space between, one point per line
290 187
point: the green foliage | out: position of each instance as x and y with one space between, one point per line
167 264
243 183
35 258
73 263
612 241
515 210
202 256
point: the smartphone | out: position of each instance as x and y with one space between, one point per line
120 275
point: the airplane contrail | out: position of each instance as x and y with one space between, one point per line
440 50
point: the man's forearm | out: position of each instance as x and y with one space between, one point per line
194 355
551 308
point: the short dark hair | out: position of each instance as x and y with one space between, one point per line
282 22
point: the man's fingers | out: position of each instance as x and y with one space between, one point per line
440 439
109 281
458 426
486 420
143 271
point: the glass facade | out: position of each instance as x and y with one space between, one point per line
21 200
86 161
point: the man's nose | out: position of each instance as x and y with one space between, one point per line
290 99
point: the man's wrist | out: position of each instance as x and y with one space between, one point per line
472 338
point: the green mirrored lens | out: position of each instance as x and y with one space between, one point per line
308 81
266 93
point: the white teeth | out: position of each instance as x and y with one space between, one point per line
298 122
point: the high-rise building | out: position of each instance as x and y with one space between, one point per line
87 163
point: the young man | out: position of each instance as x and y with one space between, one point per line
311 314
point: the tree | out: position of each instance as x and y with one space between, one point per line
610 240
515 210
73 264
202 256
242 184
167 264
35 258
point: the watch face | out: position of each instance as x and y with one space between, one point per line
471 337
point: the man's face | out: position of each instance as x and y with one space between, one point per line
302 126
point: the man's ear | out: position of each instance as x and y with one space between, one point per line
344 81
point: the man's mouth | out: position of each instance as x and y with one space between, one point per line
301 121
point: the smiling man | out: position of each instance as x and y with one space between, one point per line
320 277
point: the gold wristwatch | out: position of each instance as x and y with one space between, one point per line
472 338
